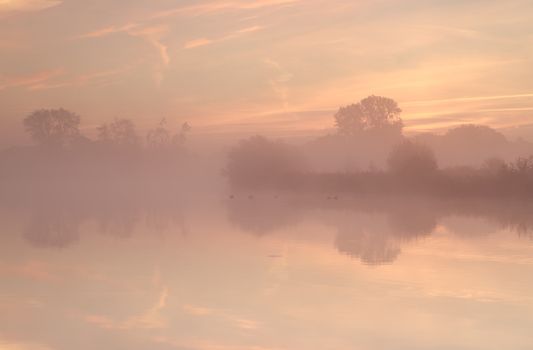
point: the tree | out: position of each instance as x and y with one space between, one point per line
479 136
120 133
412 159
179 139
259 162
522 166
52 127
159 137
371 113
494 166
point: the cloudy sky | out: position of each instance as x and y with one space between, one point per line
272 66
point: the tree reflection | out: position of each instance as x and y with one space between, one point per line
56 218
52 229
374 229
412 221
371 229
372 248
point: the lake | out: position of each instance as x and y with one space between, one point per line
267 271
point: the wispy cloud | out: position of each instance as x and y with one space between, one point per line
241 32
220 6
11 6
204 344
152 32
509 109
206 8
34 270
110 30
58 78
191 44
279 82
22 346
466 99
31 81
197 310
234 320
153 35
454 31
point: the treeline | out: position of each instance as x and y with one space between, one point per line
117 159
410 165
56 130
367 153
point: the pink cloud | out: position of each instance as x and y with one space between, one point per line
30 81
197 43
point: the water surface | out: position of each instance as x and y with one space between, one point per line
267 272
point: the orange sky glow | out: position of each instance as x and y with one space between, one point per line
278 67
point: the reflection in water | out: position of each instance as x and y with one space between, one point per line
357 235
377 242
52 229
371 247
264 272
401 219
56 221
411 220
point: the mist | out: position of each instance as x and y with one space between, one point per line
235 242
366 167
366 153
266 175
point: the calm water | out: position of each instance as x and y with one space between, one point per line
267 273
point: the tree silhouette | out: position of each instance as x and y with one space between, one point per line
53 228
522 165
412 159
52 127
494 166
372 248
179 139
159 137
257 161
480 135
371 113
120 133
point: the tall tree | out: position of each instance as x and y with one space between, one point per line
52 127
178 140
371 113
159 137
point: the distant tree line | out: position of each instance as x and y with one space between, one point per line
59 129
411 165
117 160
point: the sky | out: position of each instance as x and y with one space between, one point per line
278 67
